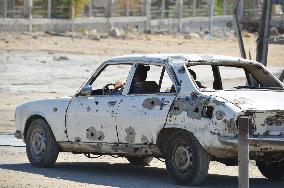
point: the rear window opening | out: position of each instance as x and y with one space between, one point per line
231 77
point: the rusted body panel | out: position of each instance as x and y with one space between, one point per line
130 124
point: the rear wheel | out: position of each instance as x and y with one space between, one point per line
272 170
141 161
41 146
186 160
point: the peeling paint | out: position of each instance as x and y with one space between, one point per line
274 120
219 114
130 137
93 134
191 105
150 103
181 70
240 101
145 140
231 125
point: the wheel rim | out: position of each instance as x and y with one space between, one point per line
183 158
38 144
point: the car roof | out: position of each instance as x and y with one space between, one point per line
189 59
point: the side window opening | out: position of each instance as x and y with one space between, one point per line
111 80
231 77
202 76
151 79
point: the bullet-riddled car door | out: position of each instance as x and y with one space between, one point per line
92 118
142 114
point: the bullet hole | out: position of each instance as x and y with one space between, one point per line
130 137
93 134
219 115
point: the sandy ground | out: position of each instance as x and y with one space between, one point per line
35 66
79 171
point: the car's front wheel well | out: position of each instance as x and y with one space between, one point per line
28 122
165 136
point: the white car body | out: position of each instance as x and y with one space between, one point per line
132 124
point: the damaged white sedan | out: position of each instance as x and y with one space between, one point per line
183 108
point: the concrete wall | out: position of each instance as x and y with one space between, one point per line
104 24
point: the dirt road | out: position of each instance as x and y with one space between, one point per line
78 171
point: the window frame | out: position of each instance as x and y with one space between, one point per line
160 93
98 72
245 67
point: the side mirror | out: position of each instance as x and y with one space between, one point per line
86 90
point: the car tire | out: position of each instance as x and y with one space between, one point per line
41 147
186 160
271 170
140 161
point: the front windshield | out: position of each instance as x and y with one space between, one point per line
211 77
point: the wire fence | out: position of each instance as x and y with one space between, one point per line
160 9
102 8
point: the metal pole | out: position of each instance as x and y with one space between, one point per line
243 152
13 9
73 17
242 9
148 15
264 33
224 7
5 9
179 14
30 8
49 9
212 3
254 7
194 8
239 33
163 9
282 76
90 11
110 8
127 8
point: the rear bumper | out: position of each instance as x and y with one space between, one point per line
253 140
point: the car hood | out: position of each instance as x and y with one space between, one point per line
45 104
254 100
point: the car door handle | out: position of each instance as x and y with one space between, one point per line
165 103
111 103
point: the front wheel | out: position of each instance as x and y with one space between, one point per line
186 160
41 146
271 170
140 161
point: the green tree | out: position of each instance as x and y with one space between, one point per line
79 6
218 7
